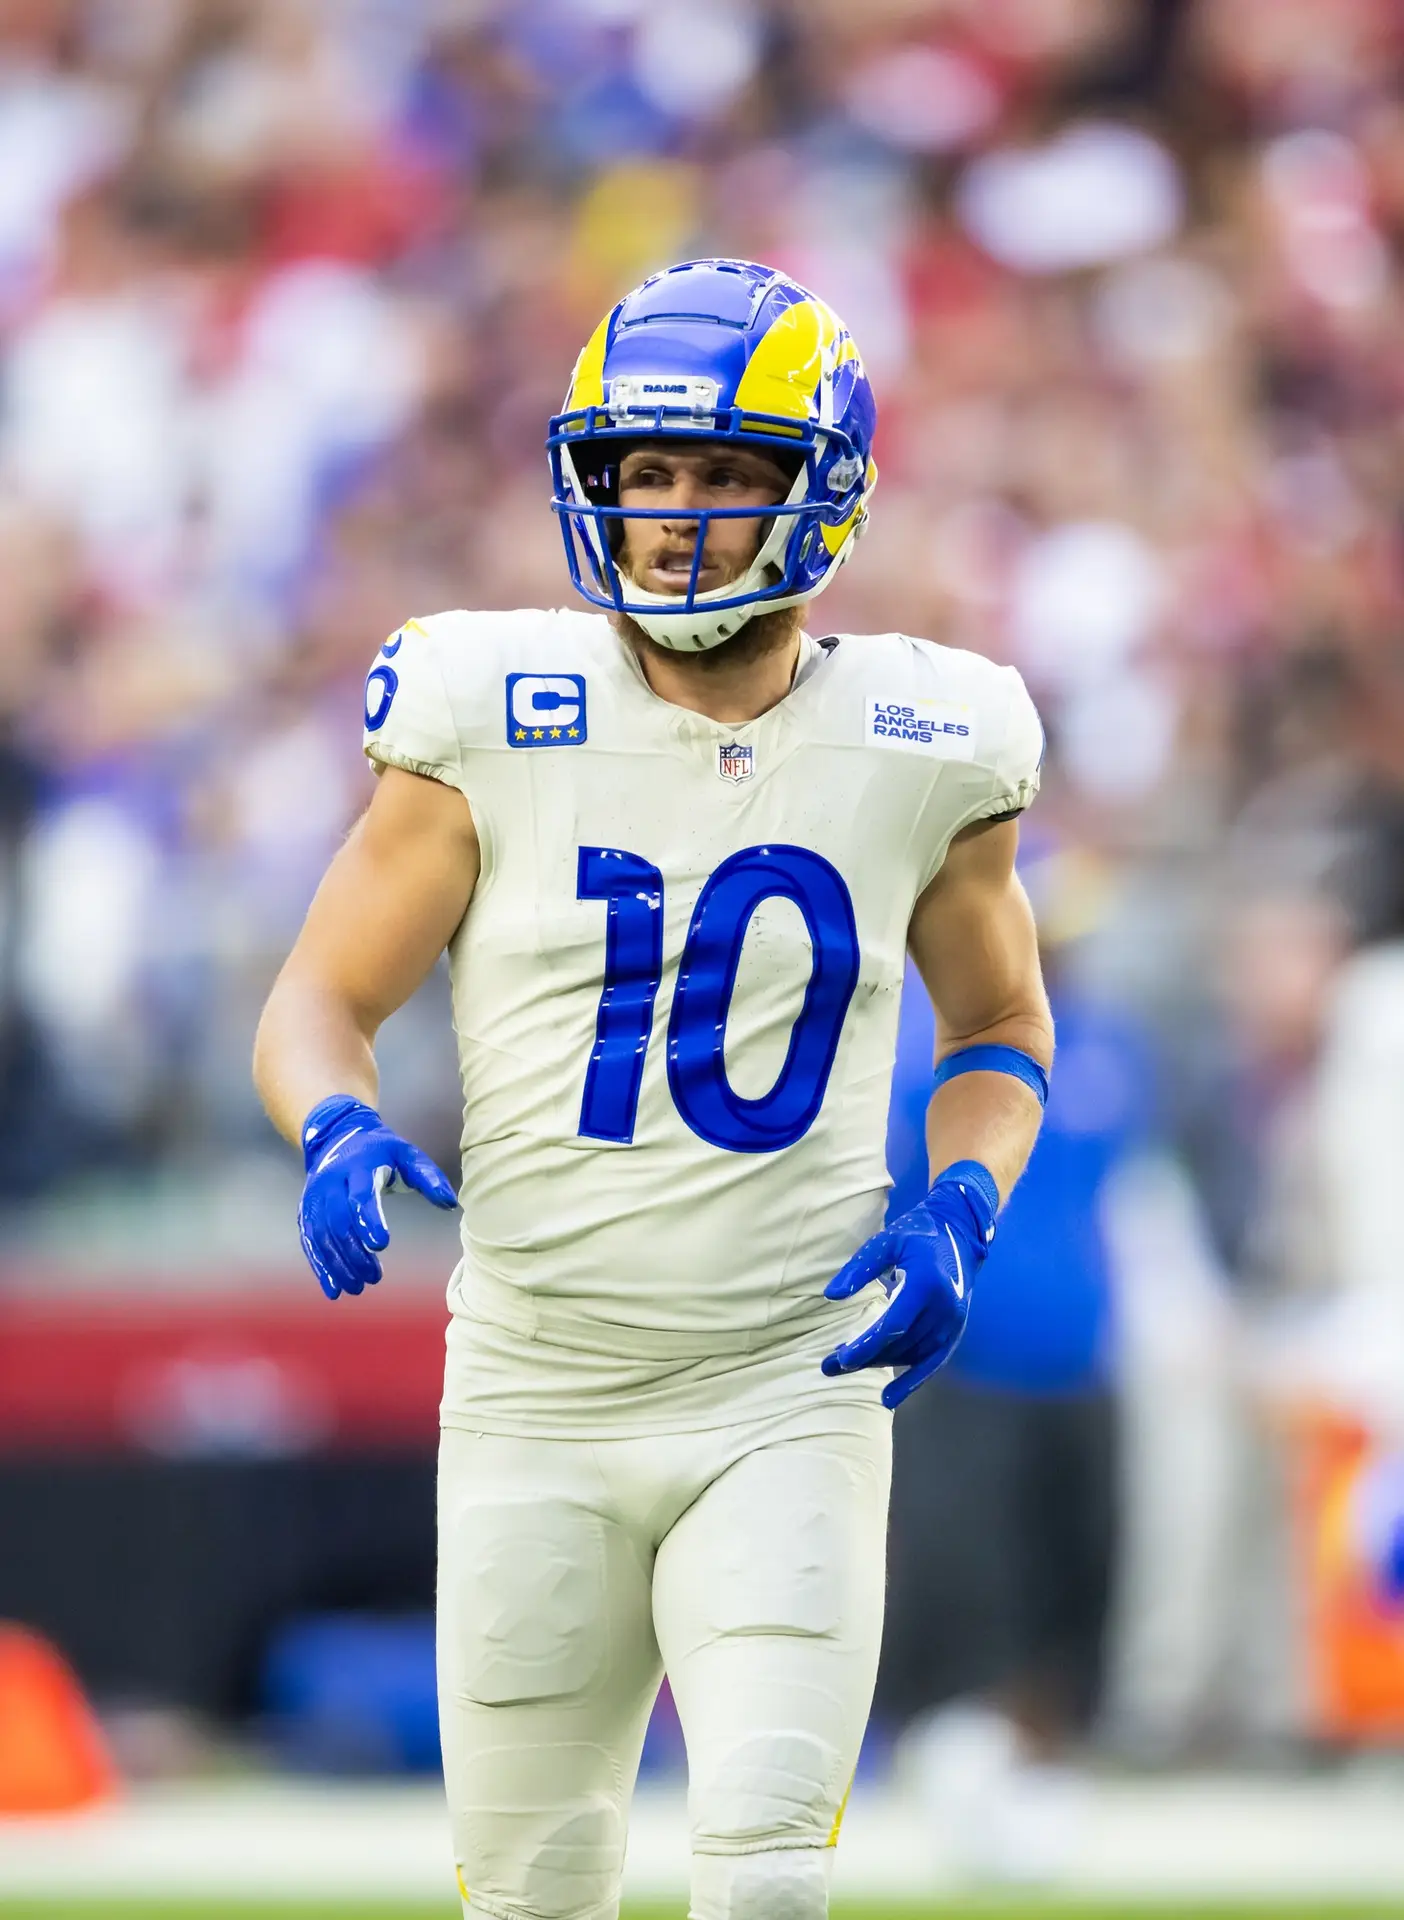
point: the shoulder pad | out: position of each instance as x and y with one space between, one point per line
408 715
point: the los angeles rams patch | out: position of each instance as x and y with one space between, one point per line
940 728
545 709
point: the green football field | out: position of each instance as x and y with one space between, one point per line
1031 1909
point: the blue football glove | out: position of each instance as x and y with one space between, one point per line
926 1260
352 1157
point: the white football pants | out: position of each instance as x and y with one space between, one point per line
748 1562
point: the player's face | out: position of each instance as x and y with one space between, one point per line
657 555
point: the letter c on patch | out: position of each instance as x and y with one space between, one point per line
545 697
546 710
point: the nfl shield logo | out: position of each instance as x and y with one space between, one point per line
736 762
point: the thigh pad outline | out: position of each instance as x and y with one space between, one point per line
786 1570
530 1601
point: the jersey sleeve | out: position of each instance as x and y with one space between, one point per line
996 777
1007 773
409 720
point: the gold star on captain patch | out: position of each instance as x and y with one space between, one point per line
537 734
555 733
520 734
572 733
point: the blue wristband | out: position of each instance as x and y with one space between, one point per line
326 1119
1020 1066
979 1191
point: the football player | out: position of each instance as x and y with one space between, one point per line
677 848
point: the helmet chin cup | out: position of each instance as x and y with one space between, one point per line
698 625
697 631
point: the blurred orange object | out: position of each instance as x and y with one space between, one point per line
1355 1627
52 1755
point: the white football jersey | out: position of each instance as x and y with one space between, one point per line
676 988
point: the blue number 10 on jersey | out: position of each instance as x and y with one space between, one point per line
632 888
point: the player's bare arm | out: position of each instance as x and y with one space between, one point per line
973 941
386 909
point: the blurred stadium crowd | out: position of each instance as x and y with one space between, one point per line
287 293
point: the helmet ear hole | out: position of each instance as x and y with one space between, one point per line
598 468
598 463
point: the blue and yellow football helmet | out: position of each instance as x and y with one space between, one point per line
735 352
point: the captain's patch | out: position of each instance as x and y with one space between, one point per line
545 709
938 727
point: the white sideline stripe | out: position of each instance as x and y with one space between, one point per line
1207 1836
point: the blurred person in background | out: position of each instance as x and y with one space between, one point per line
1005 1477
1243 1291
1210 1651
1325 1301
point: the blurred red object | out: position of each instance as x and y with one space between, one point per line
52 1756
193 1377
367 210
